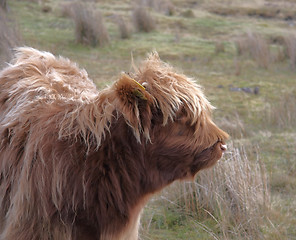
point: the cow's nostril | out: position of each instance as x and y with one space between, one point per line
223 147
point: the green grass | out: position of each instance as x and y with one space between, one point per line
189 44
169 222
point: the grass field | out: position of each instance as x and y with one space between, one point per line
231 48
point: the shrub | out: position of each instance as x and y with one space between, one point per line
89 25
142 19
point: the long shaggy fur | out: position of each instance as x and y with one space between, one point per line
78 163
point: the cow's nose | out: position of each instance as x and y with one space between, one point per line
223 147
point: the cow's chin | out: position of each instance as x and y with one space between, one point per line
207 158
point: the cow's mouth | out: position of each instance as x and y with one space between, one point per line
208 157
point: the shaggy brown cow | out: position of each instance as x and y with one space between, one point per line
76 163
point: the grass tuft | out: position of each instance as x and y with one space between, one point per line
188 13
282 113
290 49
89 25
3 5
142 19
254 45
9 37
124 29
219 47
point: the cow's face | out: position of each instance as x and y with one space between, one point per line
172 113
180 149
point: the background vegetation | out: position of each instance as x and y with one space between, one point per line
242 52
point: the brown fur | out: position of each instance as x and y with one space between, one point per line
76 163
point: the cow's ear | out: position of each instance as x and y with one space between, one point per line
129 90
134 104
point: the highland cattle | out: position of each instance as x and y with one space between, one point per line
78 163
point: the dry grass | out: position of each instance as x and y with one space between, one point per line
188 13
254 45
9 37
282 114
234 193
165 6
286 48
219 47
142 19
65 9
124 29
281 10
234 126
290 49
89 25
168 8
237 66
